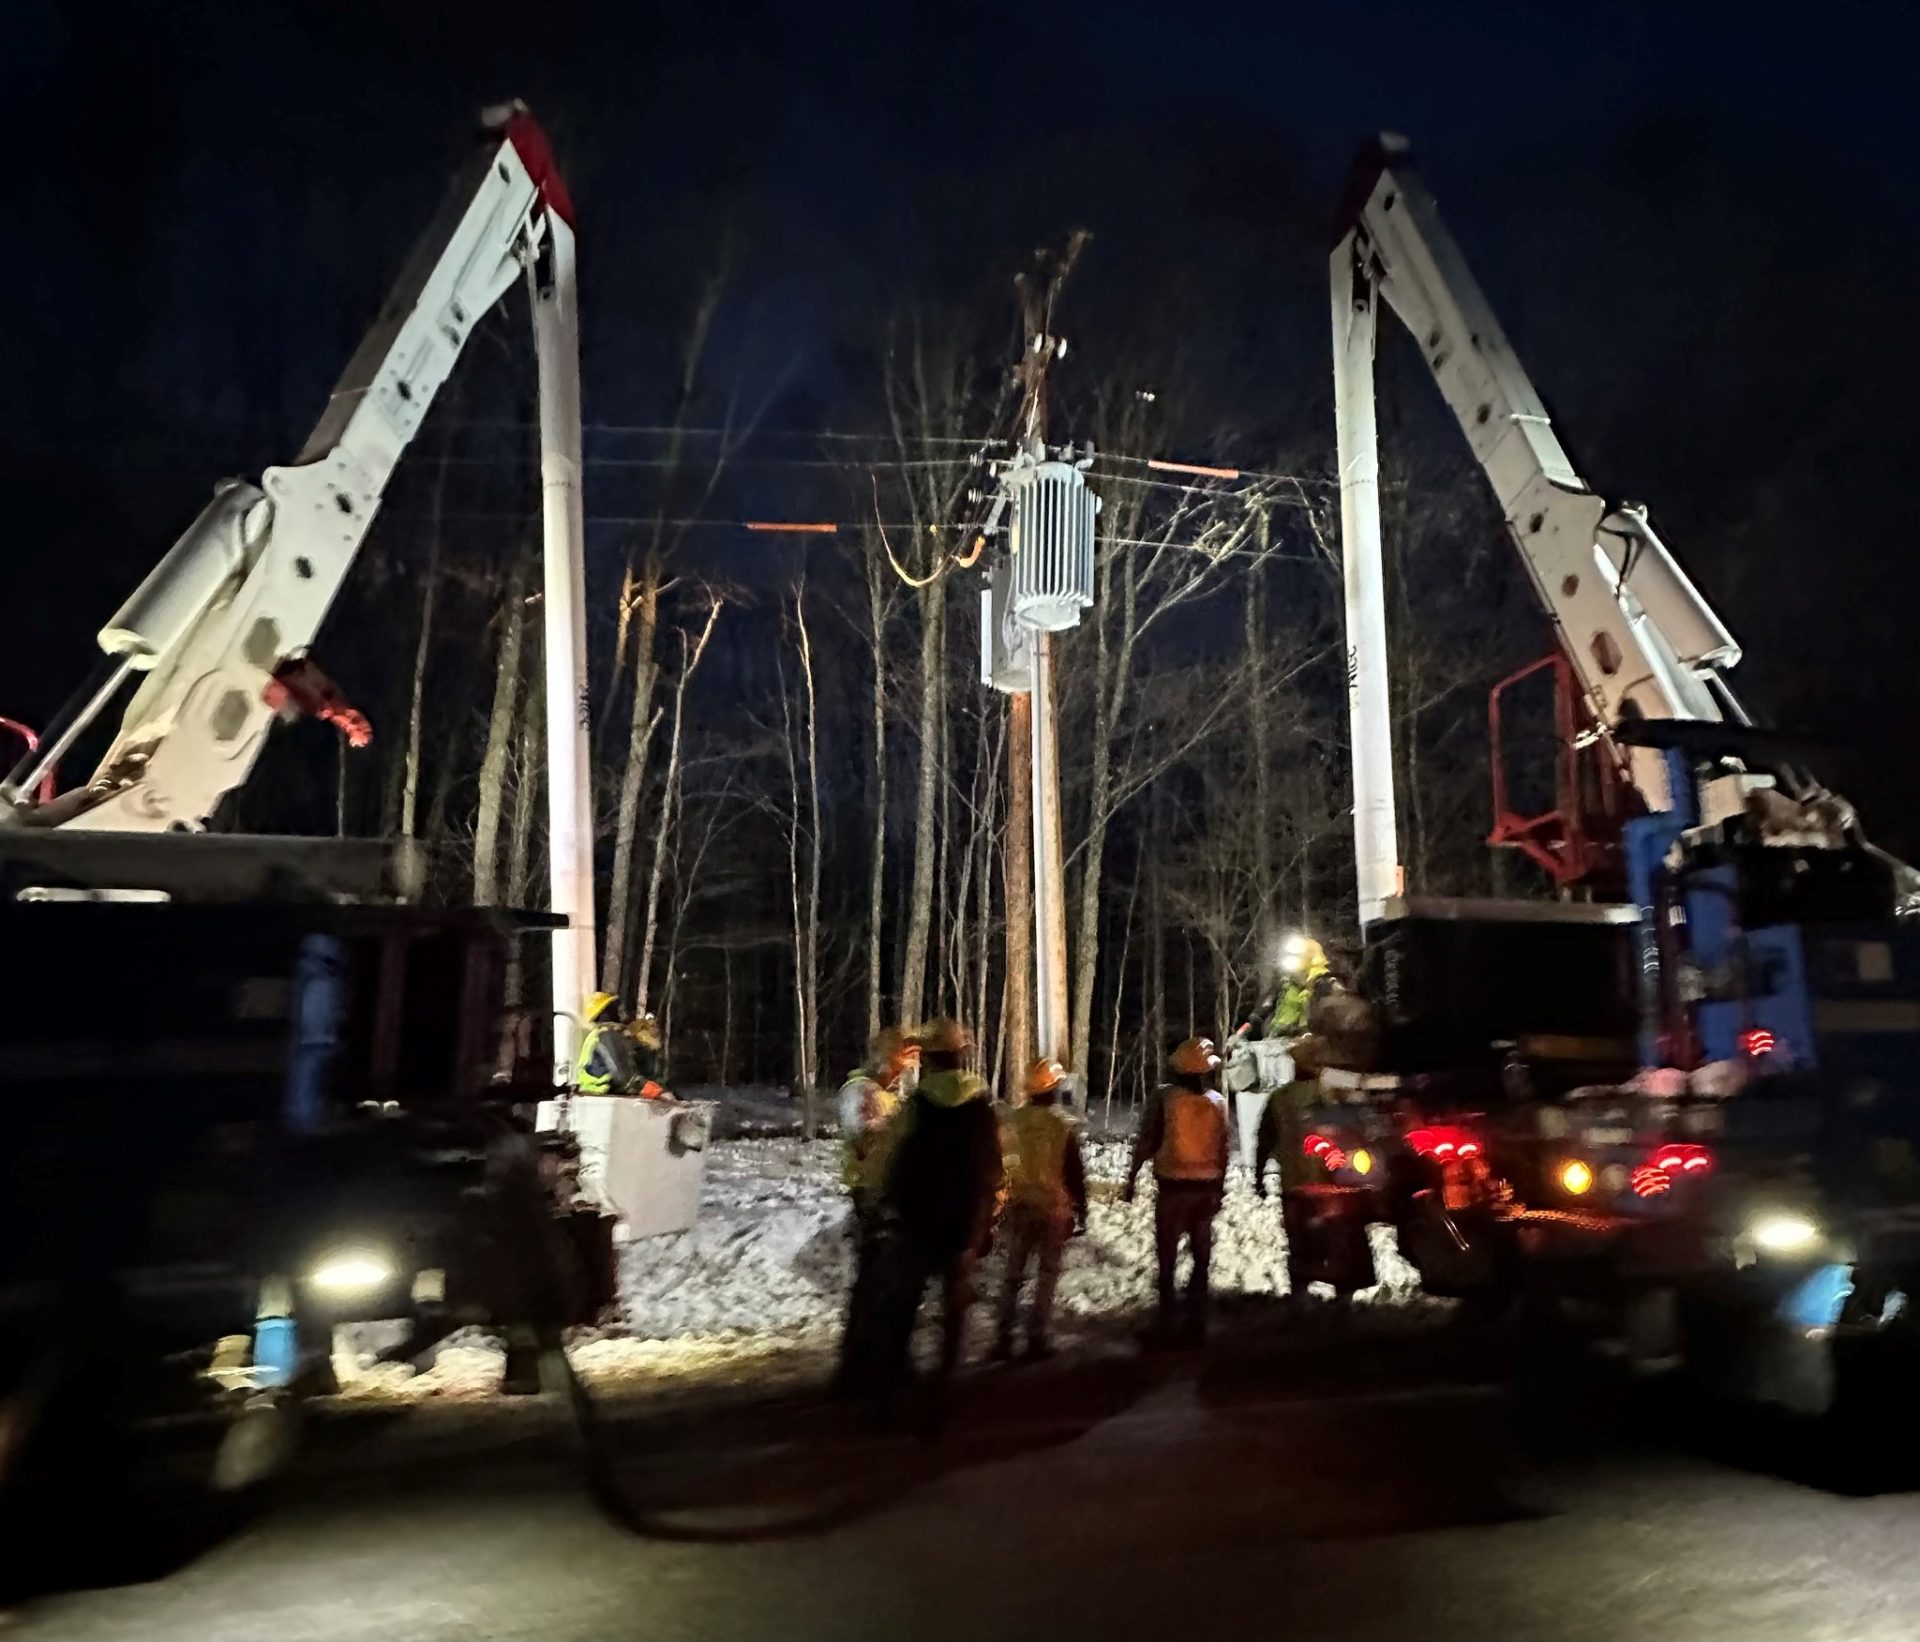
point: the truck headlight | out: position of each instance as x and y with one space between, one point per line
1783 1232
345 1274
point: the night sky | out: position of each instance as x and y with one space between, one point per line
1700 228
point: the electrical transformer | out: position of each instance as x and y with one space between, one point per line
1052 540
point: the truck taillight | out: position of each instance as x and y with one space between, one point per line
1444 1143
1318 1146
1757 1041
1666 1163
1651 1181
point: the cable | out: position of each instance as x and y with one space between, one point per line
733 461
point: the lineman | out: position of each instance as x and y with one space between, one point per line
648 1051
1305 977
943 1185
604 1065
1184 1132
869 1100
1046 1204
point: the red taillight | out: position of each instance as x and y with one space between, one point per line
1650 1180
1320 1147
1443 1142
1757 1041
1667 1163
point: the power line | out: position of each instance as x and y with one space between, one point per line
844 465
744 435
838 527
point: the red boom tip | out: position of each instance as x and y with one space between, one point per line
536 154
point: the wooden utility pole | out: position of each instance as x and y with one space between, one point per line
1019 889
1039 771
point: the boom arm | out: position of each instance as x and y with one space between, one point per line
1642 641
222 627
245 589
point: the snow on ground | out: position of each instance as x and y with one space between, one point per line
757 1289
770 1255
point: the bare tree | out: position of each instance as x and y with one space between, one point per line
640 604
799 746
931 391
880 593
501 724
1166 547
423 646
692 651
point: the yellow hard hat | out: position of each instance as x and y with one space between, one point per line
944 1036
1044 1075
599 1004
1303 955
1195 1058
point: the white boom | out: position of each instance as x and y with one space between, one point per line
1641 639
222 627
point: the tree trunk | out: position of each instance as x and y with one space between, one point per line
983 892
933 674
526 799
1019 887
1119 992
1156 947
799 926
810 1048
877 865
1113 663
410 782
1260 724
526 796
669 804
725 1068
500 727
644 600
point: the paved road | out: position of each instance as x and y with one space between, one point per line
1348 1488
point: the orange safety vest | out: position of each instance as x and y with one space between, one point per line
1193 1135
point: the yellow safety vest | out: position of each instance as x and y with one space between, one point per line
1033 1143
866 1150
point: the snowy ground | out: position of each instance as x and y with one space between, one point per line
755 1292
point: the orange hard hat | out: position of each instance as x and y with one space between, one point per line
944 1036
1195 1058
1044 1075
891 1043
